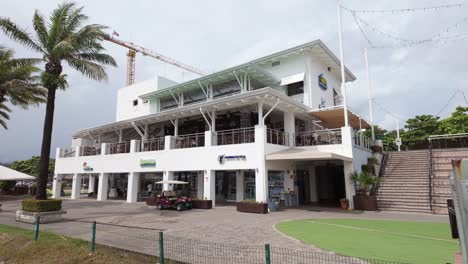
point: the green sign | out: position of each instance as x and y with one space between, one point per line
147 163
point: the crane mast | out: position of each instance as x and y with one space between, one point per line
134 48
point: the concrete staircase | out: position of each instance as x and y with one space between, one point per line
404 184
441 166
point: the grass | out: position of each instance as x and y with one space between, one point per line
410 242
17 246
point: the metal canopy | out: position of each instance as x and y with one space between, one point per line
305 154
334 118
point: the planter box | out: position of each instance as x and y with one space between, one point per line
152 201
202 204
45 217
365 202
256 208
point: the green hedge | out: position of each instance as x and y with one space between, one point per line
32 205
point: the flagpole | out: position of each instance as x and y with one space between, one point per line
343 77
371 114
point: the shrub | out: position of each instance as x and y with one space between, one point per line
7 185
250 201
32 205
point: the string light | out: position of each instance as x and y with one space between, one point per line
407 10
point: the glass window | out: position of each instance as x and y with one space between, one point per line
249 183
295 88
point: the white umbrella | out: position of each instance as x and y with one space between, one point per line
7 174
171 182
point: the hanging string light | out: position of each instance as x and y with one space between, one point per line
408 10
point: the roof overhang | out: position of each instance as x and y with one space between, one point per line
333 117
269 97
305 154
7 174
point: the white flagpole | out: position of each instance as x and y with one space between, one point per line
371 114
343 78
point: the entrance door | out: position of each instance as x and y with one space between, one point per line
303 187
330 184
226 186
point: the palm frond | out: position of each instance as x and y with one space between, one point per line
75 19
40 28
14 32
90 69
58 24
101 58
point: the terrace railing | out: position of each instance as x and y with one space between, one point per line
277 137
153 144
189 141
360 139
67 153
318 137
117 148
89 151
235 136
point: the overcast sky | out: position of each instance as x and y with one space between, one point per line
212 35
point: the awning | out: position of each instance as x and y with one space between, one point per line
7 174
334 118
293 79
305 154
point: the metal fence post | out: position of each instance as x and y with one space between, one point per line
36 227
93 237
267 254
161 248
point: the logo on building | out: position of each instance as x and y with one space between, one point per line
322 82
86 167
147 163
223 158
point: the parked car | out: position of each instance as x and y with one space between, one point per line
170 199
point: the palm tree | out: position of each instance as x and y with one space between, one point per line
62 39
18 84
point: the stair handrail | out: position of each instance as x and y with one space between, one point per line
430 175
381 169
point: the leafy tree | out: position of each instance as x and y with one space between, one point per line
419 128
61 39
31 166
457 122
18 84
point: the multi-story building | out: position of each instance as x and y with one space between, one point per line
269 129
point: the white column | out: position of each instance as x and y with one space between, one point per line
209 186
347 134
209 138
240 185
134 146
132 188
102 186
349 185
260 113
261 179
103 148
77 151
57 186
289 126
76 186
200 185
167 142
91 183
168 176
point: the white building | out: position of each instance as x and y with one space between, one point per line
271 128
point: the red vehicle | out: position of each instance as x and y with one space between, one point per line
170 199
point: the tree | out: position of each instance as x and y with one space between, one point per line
18 84
31 166
419 128
61 39
457 122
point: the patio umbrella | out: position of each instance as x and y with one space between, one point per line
7 174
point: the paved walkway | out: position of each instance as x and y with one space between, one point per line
223 225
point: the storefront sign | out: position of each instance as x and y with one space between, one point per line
223 158
86 167
147 163
322 82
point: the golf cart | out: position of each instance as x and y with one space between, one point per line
170 199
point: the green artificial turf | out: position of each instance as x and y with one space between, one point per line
409 242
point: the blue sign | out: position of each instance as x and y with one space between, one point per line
223 158
322 82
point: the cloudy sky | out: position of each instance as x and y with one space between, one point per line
212 35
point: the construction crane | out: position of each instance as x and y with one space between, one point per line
134 48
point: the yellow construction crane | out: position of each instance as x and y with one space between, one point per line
134 48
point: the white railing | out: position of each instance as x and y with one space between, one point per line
116 148
277 137
66 153
318 137
235 136
189 141
360 139
89 151
153 144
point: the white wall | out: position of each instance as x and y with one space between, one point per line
126 96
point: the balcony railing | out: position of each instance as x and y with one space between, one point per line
89 151
277 137
235 136
362 140
318 137
116 148
66 153
189 141
153 144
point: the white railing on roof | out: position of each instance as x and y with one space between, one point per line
277 137
235 136
189 141
152 144
117 148
318 137
361 140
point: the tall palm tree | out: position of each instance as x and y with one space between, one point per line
62 39
18 84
